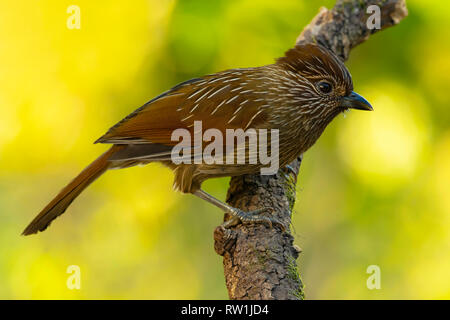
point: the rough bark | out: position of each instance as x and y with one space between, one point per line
259 262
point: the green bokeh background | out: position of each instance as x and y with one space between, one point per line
373 191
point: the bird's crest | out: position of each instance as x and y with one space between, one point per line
315 61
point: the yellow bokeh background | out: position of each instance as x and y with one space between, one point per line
375 189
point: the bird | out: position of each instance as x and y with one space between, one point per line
298 95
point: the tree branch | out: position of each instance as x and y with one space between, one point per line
260 263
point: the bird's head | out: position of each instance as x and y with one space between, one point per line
320 82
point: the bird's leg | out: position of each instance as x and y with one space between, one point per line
239 215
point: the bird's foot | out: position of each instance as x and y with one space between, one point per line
255 216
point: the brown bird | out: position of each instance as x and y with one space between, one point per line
299 95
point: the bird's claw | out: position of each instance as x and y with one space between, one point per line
254 216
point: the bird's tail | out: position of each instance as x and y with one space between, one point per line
60 203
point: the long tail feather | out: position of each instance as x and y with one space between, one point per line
62 201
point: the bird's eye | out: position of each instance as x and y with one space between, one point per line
324 87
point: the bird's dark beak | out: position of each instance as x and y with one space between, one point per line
355 101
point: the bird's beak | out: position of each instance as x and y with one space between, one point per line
355 101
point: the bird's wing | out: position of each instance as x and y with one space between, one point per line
227 100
